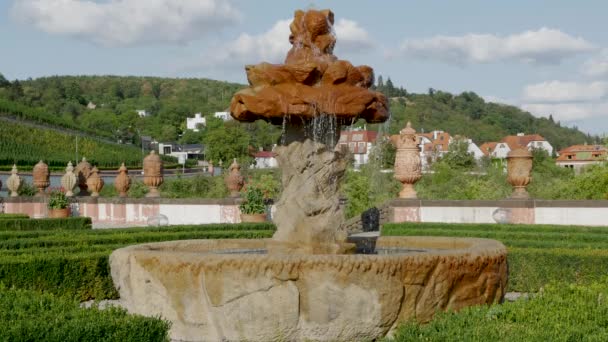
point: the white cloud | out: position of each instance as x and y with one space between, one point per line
544 46
568 111
597 66
272 46
499 100
127 22
558 91
351 37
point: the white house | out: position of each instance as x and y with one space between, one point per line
360 143
142 113
193 123
223 115
512 142
473 149
265 160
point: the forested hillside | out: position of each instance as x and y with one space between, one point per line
63 100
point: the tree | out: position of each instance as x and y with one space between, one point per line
4 82
226 142
458 156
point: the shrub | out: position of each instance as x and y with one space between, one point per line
13 216
560 313
46 224
58 200
30 316
253 202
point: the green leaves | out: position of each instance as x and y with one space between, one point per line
253 200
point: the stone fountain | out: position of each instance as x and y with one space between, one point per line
305 283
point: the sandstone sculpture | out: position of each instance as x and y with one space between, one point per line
234 180
83 171
68 180
95 182
14 182
303 284
210 168
312 80
41 177
519 169
122 183
408 167
209 295
153 173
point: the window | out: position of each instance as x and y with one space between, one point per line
361 147
358 137
569 157
166 149
351 146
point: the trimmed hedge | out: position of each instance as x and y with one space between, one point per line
46 223
538 255
13 216
30 316
74 263
560 313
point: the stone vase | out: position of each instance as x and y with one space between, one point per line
153 173
255 218
14 182
210 168
68 180
41 177
408 166
82 172
122 183
234 180
519 171
94 182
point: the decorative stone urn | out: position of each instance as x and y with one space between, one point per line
82 172
14 182
210 168
519 171
234 180
94 182
153 173
122 183
408 168
68 181
41 177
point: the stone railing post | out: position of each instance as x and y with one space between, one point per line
519 170
408 167
153 173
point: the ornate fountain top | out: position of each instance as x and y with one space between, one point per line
311 82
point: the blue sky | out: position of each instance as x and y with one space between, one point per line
548 57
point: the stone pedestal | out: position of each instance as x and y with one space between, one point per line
122 183
41 177
408 167
69 180
153 173
233 180
94 182
14 182
519 172
83 171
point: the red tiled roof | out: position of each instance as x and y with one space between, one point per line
572 152
517 141
264 154
488 147
367 136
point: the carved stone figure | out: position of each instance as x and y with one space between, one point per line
95 182
519 171
14 182
153 173
122 183
41 177
82 172
68 181
234 180
311 81
408 167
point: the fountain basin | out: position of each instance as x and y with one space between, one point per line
213 290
